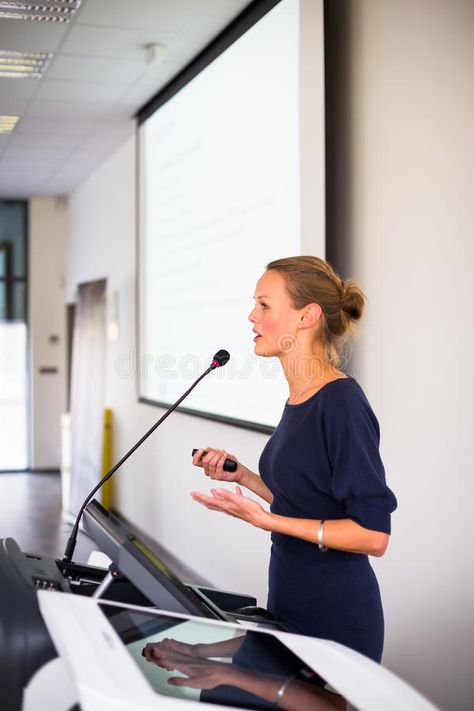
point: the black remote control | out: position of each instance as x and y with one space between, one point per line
229 464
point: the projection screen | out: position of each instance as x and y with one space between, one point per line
230 176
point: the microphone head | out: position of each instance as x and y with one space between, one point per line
220 359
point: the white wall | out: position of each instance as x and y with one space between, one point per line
48 230
406 186
407 195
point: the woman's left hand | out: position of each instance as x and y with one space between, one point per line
200 673
236 505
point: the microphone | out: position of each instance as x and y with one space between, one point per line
219 359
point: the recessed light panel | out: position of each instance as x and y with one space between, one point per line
8 123
47 11
23 65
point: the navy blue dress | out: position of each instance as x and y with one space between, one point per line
323 462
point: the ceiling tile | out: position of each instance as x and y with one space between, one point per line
72 67
116 130
18 187
157 75
19 158
5 139
32 171
13 106
20 88
79 92
27 141
67 110
71 127
107 42
25 36
137 96
69 175
146 14
63 186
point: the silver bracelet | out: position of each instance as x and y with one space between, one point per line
282 690
321 545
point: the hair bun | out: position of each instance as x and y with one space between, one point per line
352 299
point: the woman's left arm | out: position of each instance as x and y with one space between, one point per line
343 535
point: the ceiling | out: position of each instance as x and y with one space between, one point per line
82 109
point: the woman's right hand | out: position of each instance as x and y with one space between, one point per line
213 462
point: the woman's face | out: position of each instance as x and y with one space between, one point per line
275 320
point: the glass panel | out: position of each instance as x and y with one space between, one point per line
12 301
5 259
13 234
13 385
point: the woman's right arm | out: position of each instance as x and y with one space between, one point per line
213 462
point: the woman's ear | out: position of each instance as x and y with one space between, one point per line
310 316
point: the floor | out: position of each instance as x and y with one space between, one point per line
30 512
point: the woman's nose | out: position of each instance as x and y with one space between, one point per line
251 316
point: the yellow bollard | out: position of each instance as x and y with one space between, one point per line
107 489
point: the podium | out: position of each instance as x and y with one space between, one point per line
138 577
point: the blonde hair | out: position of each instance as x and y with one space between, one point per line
313 280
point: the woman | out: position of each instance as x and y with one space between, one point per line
321 470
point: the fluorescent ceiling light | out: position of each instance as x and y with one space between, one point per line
47 11
21 65
8 123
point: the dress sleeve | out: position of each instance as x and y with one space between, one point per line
358 477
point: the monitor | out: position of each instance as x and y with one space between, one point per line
135 559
